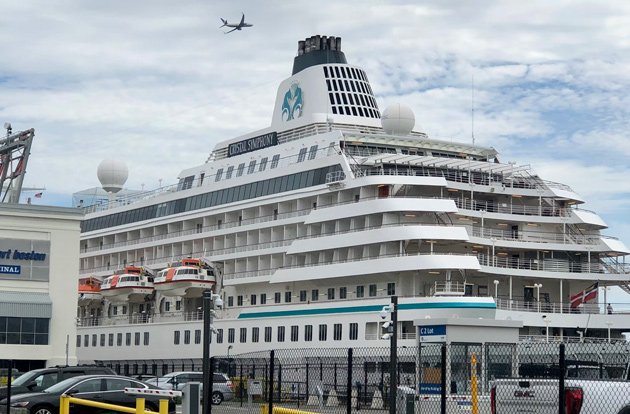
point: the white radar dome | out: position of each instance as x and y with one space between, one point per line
112 174
398 119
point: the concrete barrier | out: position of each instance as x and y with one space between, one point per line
332 400
377 400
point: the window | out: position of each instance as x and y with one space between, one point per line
263 298
287 297
103 340
372 290
228 173
280 333
251 167
343 292
323 332
252 299
243 337
178 305
308 333
312 152
167 307
231 333
78 341
240 169
136 338
302 155
219 336
187 337
86 340
263 164
110 339
354 331
337 332
302 296
295 333
128 338
239 300
176 337
197 336
360 291
146 338
217 177
230 301
391 289
267 333
255 334
274 160
331 293
315 295
277 297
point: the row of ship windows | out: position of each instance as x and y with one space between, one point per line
314 295
355 111
350 86
344 72
138 338
281 333
227 195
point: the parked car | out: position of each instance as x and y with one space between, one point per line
222 388
101 388
40 379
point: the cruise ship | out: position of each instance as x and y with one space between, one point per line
308 227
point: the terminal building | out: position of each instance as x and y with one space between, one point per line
38 266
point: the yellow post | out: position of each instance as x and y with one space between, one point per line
473 384
64 404
139 405
163 406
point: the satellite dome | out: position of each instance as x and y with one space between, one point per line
398 119
112 174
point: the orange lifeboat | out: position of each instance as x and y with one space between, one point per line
89 290
132 284
187 278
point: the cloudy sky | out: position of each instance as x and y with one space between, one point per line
156 83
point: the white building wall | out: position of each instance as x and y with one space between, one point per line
60 226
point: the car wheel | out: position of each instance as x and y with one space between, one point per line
43 409
217 398
151 407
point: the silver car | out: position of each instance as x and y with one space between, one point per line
222 388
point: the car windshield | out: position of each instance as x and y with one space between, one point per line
25 378
62 386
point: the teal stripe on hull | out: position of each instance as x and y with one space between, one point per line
369 308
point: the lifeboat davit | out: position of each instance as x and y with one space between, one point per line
89 290
132 284
188 278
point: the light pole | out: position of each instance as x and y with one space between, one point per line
496 289
392 334
229 348
538 286
209 301
608 325
547 323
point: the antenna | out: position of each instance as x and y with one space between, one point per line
472 110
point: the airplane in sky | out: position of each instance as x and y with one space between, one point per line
236 26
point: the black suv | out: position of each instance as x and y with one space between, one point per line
39 379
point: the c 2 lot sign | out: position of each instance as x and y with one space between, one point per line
432 333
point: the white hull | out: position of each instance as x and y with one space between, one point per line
184 288
127 294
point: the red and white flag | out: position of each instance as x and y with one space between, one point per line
584 296
39 195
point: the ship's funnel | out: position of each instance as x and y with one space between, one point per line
317 50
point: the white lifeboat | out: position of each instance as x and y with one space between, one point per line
188 278
132 284
89 290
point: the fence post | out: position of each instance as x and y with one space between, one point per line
562 369
349 384
209 393
241 383
443 379
307 391
272 357
279 382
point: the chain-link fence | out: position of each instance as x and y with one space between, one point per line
536 377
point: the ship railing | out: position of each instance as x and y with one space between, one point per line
535 236
569 339
509 208
448 288
401 335
250 247
251 273
335 176
545 265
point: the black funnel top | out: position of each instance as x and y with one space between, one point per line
317 50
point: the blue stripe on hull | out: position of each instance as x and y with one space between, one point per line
369 308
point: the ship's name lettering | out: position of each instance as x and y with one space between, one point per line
253 144
15 254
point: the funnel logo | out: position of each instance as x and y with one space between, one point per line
292 103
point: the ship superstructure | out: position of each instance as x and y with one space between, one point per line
310 225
